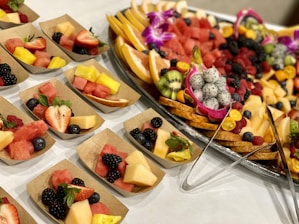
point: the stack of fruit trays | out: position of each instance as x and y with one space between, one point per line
195 66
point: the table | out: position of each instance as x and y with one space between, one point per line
240 196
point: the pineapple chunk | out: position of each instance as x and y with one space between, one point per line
139 175
6 138
106 80
268 95
84 122
137 157
87 72
103 218
66 28
283 130
79 213
161 148
24 55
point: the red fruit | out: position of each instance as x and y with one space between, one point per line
93 50
237 105
30 131
101 169
125 186
293 114
101 91
250 69
231 89
99 208
66 43
23 17
296 83
39 111
42 62
38 43
1 81
61 176
258 140
58 117
4 200
20 150
12 43
9 214
90 87
239 125
3 4
265 67
86 39
258 85
256 91
79 83
204 23
49 90
13 118
84 193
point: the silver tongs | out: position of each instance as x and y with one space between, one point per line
284 162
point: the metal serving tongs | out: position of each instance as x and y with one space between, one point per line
284 162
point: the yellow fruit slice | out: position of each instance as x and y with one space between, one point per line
169 5
288 31
156 63
159 6
124 19
228 124
130 16
138 62
138 14
181 7
135 37
116 26
235 114
119 41
147 6
180 96
103 218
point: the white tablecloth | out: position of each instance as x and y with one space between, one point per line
239 197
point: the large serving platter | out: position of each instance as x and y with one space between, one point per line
151 96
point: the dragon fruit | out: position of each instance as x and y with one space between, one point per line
224 98
209 90
197 81
210 75
211 103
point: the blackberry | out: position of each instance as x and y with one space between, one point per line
7 80
111 160
235 83
148 145
247 94
113 175
173 62
237 68
48 196
134 132
156 122
162 54
60 194
77 181
247 136
5 69
233 47
140 138
150 134
13 79
56 37
31 103
187 21
58 210
163 71
223 46
79 50
94 198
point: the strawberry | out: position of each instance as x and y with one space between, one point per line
1 81
85 38
296 83
58 117
293 114
33 44
258 140
9 214
81 192
4 200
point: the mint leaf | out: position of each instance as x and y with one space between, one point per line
43 100
178 143
6 123
58 102
14 4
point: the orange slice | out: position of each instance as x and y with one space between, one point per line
124 19
138 62
135 37
156 63
116 26
228 124
130 16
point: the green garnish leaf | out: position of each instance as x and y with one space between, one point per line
178 143
69 194
14 4
43 100
58 102
6 123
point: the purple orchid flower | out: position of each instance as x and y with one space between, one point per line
291 43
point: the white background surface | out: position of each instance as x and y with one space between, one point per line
239 197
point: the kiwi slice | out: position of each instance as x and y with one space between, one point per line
170 83
294 126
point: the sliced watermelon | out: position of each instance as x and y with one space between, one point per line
42 62
194 21
99 208
208 60
40 110
122 167
125 186
89 87
219 39
204 23
20 150
66 43
42 54
108 148
79 83
101 169
61 176
49 90
101 91
180 24
12 43
30 131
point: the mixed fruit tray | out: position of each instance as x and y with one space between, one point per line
193 67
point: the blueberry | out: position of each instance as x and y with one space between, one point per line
293 103
152 45
247 114
39 143
211 36
73 129
140 138
162 54
163 71
247 136
173 62
258 75
31 103
94 198
187 21
148 145
279 105
236 97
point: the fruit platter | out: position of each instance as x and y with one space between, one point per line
193 67
22 138
32 49
134 173
15 13
15 73
100 87
84 206
78 42
12 210
156 137
66 114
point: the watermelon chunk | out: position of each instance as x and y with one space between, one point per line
30 131
49 90
42 62
108 148
61 176
99 208
79 82
90 87
12 43
20 150
180 24
40 110
101 169
42 54
101 91
66 43
125 186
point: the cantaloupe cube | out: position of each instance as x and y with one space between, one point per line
66 28
79 213
13 17
139 175
84 122
6 138
137 157
161 148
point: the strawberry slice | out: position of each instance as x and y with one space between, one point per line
4 200
58 117
85 38
38 43
9 214
82 193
